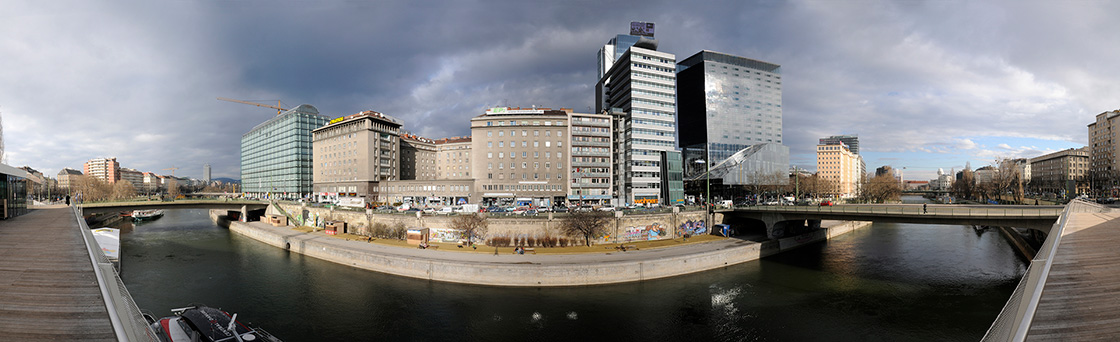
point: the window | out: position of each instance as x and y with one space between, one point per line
489 165
500 133
547 144
501 155
524 165
489 154
524 133
489 133
501 144
536 165
536 144
548 133
524 143
536 133
489 144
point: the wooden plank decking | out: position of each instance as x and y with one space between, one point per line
1081 299
48 290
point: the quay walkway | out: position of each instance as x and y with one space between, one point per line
48 289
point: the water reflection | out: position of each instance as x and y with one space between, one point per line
887 282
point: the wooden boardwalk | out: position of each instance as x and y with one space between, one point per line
48 290
1081 299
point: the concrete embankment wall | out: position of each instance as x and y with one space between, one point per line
359 222
722 254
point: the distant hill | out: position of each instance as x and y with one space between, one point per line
228 180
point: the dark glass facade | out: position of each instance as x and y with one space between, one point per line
13 195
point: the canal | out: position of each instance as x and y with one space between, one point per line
887 282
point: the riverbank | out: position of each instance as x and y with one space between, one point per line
501 269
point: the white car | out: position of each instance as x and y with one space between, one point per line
447 210
606 208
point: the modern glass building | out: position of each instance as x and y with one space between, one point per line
276 156
13 192
728 103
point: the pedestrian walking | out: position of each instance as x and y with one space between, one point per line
68 200
924 209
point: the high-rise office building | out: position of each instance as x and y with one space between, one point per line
851 140
276 155
206 173
639 90
354 153
727 103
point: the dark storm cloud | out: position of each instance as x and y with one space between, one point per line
138 80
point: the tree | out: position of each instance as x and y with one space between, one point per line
172 187
586 224
881 188
471 224
123 190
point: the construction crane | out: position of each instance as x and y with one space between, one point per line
279 110
172 170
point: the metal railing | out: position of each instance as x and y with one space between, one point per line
128 323
940 210
1014 321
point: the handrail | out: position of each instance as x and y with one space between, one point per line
134 329
1024 301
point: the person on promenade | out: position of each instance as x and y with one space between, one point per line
68 200
924 209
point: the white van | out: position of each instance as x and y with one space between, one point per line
446 210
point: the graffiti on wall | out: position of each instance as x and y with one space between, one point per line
652 231
445 235
691 227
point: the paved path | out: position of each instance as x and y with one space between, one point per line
48 290
1081 300
608 255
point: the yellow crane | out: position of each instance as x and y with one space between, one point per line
172 170
277 107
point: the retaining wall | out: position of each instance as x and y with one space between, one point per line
511 273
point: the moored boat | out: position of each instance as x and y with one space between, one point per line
207 324
109 239
147 214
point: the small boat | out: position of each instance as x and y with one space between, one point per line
206 324
147 214
109 239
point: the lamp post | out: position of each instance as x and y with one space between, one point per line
708 192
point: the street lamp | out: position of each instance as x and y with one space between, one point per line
708 182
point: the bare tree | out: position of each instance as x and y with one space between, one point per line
471 224
586 224
880 189
173 188
123 190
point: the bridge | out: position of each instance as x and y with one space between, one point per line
782 220
244 206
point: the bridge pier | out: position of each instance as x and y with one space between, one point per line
244 213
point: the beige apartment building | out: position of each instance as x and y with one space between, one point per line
840 166
68 177
521 156
453 158
134 177
1062 172
352 154
418 158
1104 172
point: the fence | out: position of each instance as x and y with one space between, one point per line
128 323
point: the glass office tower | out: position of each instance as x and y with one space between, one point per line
276 155
729 103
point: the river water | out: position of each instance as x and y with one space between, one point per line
888 282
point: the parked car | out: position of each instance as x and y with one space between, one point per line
495 209
447 210
560 209
606 208
529 212
826 203
519 210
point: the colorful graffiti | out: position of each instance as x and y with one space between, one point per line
691 227
446 235
652 231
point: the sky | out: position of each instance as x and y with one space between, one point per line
925 84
